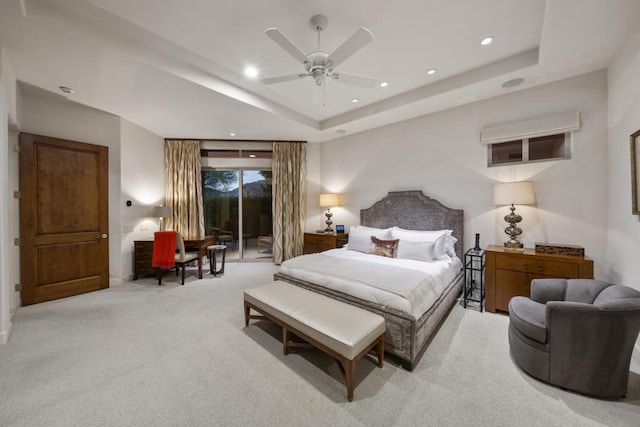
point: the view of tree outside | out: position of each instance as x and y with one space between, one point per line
221 208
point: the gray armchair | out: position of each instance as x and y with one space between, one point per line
577 334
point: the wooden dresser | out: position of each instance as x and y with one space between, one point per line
318 242
509 272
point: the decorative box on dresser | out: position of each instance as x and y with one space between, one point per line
509 272
318 242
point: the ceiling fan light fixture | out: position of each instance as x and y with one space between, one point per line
384 84
320 64
431 71
355 100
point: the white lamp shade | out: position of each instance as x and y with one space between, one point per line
328 200
517 193
160 211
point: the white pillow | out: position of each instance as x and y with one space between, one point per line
438 237
360 237
449 245
420 251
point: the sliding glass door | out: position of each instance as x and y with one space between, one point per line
221 207
257 221
237 210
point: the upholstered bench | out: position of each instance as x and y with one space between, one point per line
343 331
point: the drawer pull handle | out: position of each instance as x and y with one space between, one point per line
526 266
540 269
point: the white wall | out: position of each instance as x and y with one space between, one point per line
143 182
9 260
624 119
441 155
67 120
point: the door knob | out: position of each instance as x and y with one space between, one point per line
102 236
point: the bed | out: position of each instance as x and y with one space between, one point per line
407 334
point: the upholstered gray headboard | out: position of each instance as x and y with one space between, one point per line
415 211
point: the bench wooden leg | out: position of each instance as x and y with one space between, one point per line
349 376
247 309
380 351
285 340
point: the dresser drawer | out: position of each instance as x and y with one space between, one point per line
315 239
537 266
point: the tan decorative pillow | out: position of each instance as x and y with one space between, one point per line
387 248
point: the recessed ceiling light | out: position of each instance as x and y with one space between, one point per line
512 83
384 84
431 71
355 100
487 40
251 71
66 90
232 134
341 131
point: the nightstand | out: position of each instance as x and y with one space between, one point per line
318 242
474 277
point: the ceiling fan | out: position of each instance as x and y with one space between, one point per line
319 64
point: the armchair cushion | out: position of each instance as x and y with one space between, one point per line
528 318
584 290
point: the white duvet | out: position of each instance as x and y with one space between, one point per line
405 285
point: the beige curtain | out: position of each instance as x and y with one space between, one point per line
289 195
183 187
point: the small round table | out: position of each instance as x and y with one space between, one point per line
211 253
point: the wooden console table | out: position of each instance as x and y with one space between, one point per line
143 254
509 272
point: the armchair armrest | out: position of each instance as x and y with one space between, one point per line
590 346
545 290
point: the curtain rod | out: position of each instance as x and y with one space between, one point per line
231 140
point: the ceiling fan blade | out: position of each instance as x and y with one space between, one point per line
353 44
286 78
282 40
354 79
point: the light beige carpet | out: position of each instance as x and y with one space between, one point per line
139 354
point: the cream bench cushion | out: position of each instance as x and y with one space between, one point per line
348 331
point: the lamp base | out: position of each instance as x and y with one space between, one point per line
513 245
328 214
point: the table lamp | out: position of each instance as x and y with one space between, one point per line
513 193
329 200
160 212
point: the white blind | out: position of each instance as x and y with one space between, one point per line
541 126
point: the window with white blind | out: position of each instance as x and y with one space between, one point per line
540 139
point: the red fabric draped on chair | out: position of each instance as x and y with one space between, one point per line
164 249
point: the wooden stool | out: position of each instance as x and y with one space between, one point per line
211 253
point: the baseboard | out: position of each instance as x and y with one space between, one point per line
4 336
114 281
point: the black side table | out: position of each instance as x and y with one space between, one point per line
474 277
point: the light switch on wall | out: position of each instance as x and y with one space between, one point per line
128 228
144 227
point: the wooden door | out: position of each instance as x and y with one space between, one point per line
64 246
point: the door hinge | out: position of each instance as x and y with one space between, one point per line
16 241
18 287
16 195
